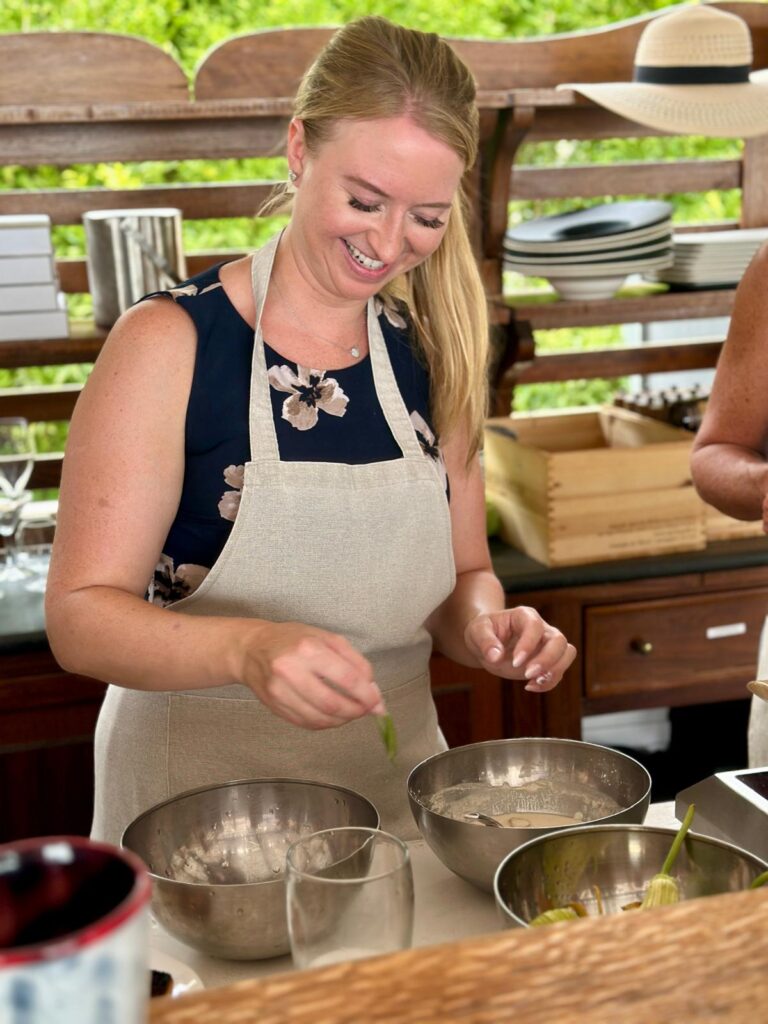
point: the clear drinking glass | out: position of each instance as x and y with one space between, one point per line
17 451
10 517
349 895
34 541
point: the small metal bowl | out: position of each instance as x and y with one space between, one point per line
216 856
572 778
560 868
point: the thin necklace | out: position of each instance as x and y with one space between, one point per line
354 351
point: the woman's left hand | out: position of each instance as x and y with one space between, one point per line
517 643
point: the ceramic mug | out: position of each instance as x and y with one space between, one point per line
74 919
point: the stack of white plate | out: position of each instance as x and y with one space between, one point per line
589 253
711 259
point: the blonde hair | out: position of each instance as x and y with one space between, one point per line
373 68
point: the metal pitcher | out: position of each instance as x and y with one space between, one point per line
131 253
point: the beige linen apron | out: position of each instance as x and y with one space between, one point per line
361 550
757 736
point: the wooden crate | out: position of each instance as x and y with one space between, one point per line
577 486
718 526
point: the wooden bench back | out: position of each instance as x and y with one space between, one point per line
39 69
267 63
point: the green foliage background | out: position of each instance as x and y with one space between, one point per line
187 29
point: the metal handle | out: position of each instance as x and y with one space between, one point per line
156 258
642 646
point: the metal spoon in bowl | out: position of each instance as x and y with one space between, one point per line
484 819
759 687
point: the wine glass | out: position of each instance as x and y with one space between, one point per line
17 451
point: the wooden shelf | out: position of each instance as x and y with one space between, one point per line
551 313
619 361
82 346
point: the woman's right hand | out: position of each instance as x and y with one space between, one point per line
309 677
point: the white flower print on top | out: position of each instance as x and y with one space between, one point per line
187 289
191 289
310 393
229 504
169 585
429 445
385 305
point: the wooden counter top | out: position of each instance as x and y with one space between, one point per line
703 960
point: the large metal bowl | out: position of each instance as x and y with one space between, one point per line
620 860
559 776
217 858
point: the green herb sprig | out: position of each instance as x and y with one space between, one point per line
388 735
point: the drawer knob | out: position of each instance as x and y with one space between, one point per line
642 646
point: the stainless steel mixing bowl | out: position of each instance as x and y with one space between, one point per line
217 858
555 869
551 775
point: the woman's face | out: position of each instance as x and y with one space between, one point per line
371 203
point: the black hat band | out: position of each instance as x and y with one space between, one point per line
692 75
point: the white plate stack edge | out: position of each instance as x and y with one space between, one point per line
711 259
31 305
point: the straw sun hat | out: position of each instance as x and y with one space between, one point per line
691 77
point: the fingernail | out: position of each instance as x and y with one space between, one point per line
379 709
532 670
493 653
519 659
536 684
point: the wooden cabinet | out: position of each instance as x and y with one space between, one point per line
703 640
47 719
469 702
664 632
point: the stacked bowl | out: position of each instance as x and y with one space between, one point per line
589 253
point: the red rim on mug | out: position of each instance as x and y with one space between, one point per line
68 944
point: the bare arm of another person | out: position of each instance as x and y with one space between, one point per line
729 454
472 626
121 484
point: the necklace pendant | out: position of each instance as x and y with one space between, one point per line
354 351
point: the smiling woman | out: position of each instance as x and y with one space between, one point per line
272 506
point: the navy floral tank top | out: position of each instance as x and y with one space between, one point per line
319 415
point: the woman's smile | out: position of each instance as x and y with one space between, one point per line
365 261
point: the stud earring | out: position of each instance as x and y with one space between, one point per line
290 188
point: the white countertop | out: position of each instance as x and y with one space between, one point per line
447 908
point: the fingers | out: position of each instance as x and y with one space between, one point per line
547 679
506 639
321 682
517 643
483 641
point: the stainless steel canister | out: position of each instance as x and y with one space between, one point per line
131 253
